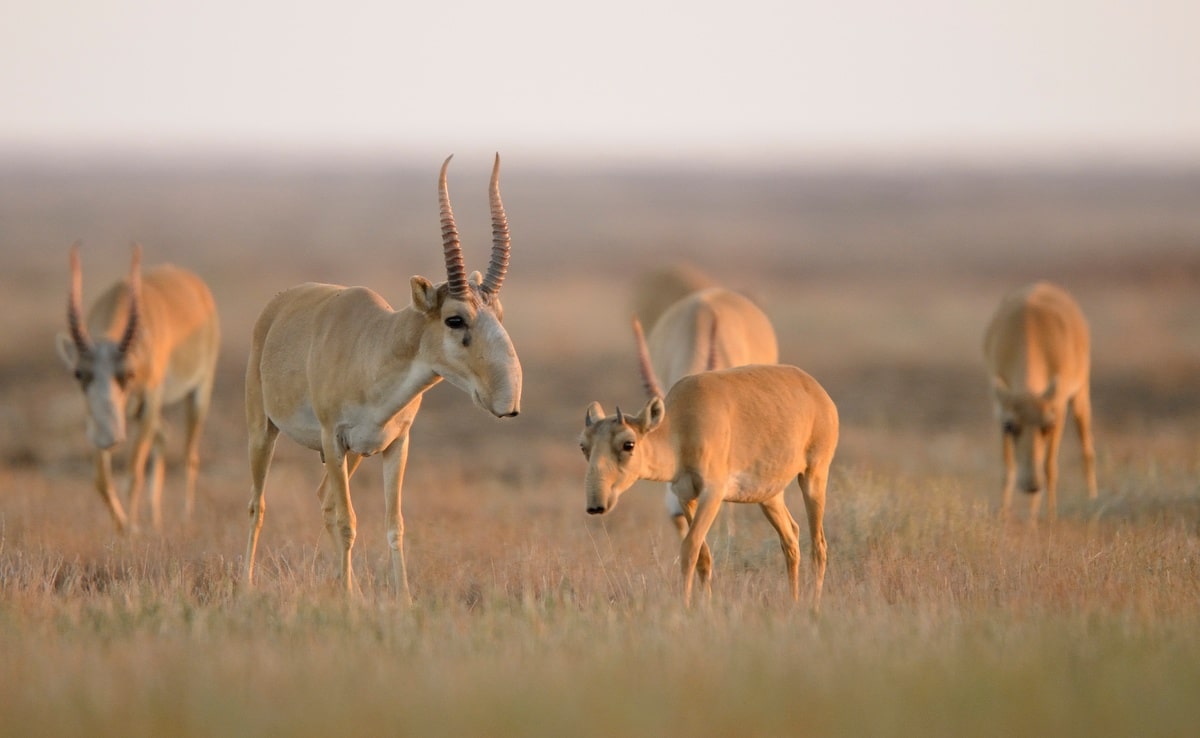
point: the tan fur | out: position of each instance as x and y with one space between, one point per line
340 372
172 359
712 328
1037 352
734 435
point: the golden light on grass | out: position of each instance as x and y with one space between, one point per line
530 618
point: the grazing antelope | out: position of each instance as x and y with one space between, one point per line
712 328
1036 347
340 372
149 341
733 435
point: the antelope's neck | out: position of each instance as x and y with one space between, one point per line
403 375
661 460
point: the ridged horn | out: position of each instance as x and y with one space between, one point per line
620 416
79 333
456 270
649 381
134 320
498 266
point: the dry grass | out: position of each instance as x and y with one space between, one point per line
532 618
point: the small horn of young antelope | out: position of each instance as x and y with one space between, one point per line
135 301
79 333
456 270
498 266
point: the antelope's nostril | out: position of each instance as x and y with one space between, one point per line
595 510
513 414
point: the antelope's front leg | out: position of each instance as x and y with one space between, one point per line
1010 476
338 492
104 485
705 511
395 459
146 437
329 505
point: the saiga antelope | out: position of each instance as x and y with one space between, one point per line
713 328
340 372
733 435
1037 352
149 341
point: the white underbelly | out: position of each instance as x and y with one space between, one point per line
747 488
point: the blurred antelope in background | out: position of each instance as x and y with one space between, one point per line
148 342
733 435
340 372
713 328
1037 352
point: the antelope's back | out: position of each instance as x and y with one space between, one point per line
179 323
681 341
753 415
1038 328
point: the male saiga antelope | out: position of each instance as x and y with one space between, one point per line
148 342
340 372
713 328
1036 347
733 435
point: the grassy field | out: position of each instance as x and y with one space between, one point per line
532 618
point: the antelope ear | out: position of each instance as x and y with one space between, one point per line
424 295
652 414
594 415
67 350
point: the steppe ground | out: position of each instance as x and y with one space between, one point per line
531 618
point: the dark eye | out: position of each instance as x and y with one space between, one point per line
627 446
83 376
584 449
124 376
456 321
1011 428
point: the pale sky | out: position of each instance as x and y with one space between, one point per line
618 79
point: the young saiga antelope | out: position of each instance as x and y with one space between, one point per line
713 328
340 372
734 435
1037 348
149 341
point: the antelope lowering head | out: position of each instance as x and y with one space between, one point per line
107 365
464 339
616 446
619 452
1029 420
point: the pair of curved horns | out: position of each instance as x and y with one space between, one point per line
79 333
456 271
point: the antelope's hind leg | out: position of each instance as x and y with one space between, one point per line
1081 408
812 486
262 448
197 411
789 538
